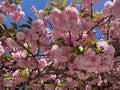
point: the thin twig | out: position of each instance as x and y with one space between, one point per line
96 25
20 45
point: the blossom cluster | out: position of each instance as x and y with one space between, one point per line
59 50
15 13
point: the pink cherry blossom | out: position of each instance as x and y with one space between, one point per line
88 87
20 35
116 4
65 56
42 64
107 10
2 18
107 48
2 51
71 82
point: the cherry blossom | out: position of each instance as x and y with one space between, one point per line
58 50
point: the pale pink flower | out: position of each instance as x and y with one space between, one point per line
109 49
54 47
17 16
107 10
72 83
115 8
16 74
8 83
34 10
20 35
38 24
2 18
2 51
72 15
88 87
106 63
42 64
82 75
19 54
61 88
49 87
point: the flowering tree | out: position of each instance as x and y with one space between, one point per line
59 50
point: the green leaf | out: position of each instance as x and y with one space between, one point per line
1 33
74 1
24 73
24 25
10 1
62 41
47 6
5 26
61 83
91 41
97 50
97 15
29 21
9 30
8 57
29 55
63 3
79 0
8 76
18 2
76 51
54 3
14 25
47 9
51 44
6 88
